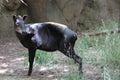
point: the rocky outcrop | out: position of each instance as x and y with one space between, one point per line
77 14
7 9
83 14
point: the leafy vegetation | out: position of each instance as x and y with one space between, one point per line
72 76
43 58
103 50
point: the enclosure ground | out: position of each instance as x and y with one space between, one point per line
12 65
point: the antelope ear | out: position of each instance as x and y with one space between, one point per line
14 18
24 17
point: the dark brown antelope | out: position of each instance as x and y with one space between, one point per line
46 36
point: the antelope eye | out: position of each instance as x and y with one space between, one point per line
17 23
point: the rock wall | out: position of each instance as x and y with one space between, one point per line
77 14
83 14
8 8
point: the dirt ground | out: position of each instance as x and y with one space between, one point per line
12 65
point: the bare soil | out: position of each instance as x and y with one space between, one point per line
12 64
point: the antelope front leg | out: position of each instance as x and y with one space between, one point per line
31 59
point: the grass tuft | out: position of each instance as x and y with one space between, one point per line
71 76
42 58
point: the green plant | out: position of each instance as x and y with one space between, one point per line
43 58
111 50
72 76
103 50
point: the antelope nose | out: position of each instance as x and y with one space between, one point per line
24 33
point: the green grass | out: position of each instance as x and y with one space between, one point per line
106 26
111 50
72 76
42 58
103 50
